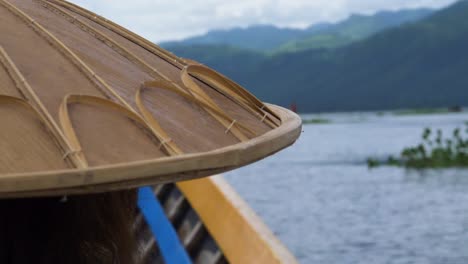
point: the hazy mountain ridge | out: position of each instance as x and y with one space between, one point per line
258 37
270 38
421 64
355 28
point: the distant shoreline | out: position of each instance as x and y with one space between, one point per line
397 112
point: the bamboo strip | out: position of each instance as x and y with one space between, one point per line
81 65
160 170
67 125
125 33
124 52
77 163
233 91
170 86
136 60
201 95
154 171
26 90
55 42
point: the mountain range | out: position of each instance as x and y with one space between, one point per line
270 38
417 64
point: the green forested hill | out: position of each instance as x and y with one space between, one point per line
423 64
257 37
271 39
356 27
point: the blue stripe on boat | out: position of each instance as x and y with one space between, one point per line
169 244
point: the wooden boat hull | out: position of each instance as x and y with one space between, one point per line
214 225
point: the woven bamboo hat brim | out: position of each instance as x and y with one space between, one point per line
88 106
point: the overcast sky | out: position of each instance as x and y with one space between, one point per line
162 20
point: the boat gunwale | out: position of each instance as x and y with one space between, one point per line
155 171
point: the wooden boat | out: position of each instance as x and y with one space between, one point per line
87 106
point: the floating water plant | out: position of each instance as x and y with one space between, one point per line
316 121
423 111
435 151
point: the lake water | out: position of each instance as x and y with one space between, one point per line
326 206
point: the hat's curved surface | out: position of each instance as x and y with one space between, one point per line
87 106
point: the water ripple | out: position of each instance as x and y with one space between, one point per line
328 207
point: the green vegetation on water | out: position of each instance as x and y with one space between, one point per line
316 121
435 151
423 111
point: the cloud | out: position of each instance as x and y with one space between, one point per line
161 20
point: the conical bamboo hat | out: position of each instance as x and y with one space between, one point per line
88 106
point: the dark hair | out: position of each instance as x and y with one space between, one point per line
94 228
